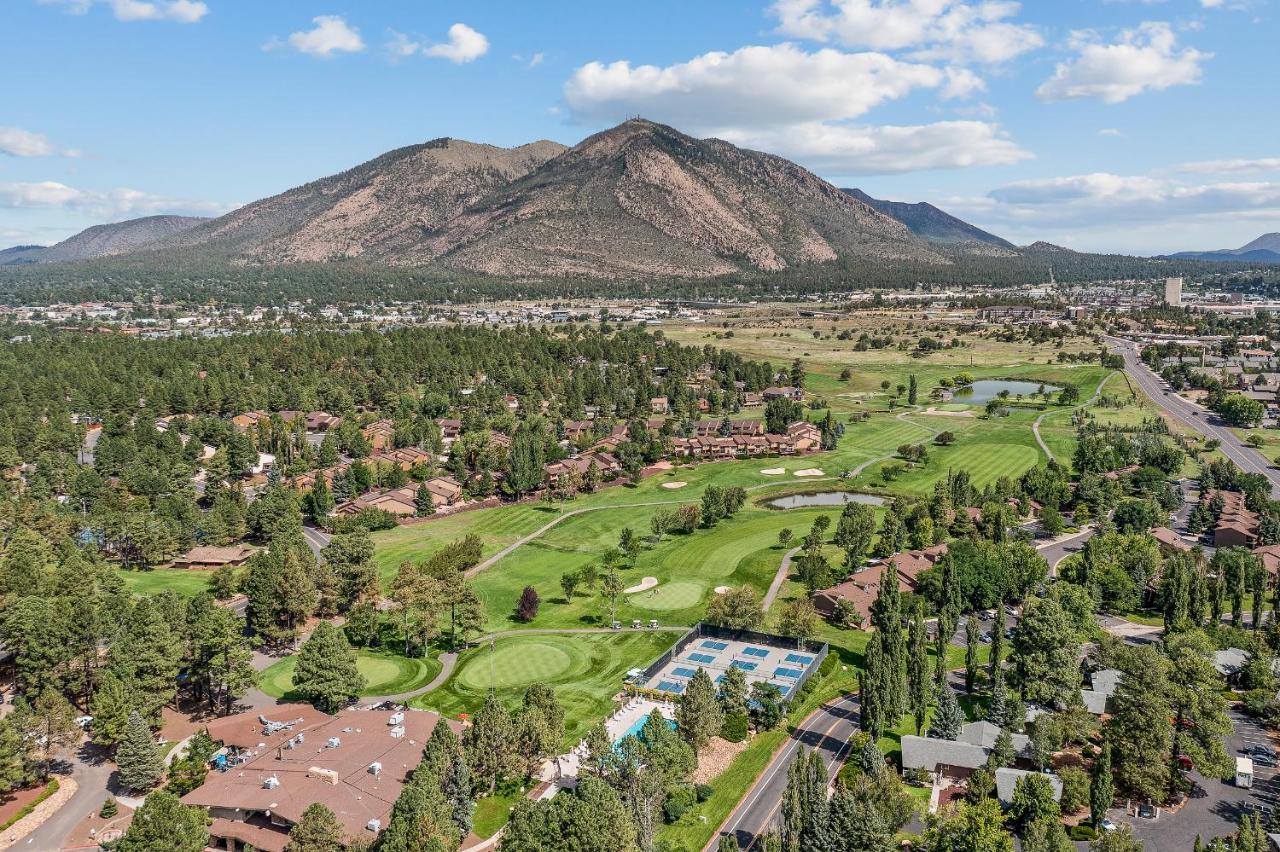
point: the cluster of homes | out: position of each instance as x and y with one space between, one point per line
269 770
861 589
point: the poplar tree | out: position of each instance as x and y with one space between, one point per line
970 652
918 690
886 616
1102 791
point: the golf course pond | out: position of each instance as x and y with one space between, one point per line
981 392
823 498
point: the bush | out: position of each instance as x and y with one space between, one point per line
704 792
917 777
680 800
109 808
734 727
1258 703
829 663
1075 790
1081 832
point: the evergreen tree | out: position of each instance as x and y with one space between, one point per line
110 707
164 824
948 719
490 743
317 831
918 687
886 616
1101 787
13 757
138 758
971 641
698 716
445 764
733 693
1002 753
854 825
326 673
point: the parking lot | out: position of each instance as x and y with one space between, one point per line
1214 807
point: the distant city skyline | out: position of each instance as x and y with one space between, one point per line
1137 127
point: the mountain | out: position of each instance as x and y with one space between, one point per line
638 200
379 210
928 222
1041 247
1265 249
101 240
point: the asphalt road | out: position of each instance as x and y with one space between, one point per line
1201 420
827 729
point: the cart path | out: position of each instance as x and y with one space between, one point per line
1035 426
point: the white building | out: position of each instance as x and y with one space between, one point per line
1173 292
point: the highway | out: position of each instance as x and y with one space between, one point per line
826 729
1201 420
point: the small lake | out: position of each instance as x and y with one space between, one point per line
825 498
981 392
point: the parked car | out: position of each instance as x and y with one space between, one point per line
985 638
1108 824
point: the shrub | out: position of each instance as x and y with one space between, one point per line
734 727
704 792
1081 832
109 808
527 607
680 800
916 777
1075 790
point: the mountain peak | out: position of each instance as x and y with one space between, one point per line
925 220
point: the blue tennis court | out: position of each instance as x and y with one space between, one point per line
713 645
684 672
668 686
783 689
788 673
799 658
755 652
703 658
745 666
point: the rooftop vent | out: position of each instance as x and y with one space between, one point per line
374 825
333 742
271 783
375 768
396 719
397 731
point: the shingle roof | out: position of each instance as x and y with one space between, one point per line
1007 779
928 753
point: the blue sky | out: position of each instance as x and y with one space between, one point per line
1143 126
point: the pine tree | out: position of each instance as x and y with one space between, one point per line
317 831
698 716
1002 753
871 760
165 823
13 757
326 673
998 707
110 707
446 764
490 743
854 825
141 767
948 719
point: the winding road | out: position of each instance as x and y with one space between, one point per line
1194 417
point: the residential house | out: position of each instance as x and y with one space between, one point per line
1103 685
1237 526
248 420
1007 779
861 589
401 502
659 405
956 759
751 399
804 436
380 434
208 557
1170 542
444 491
784 392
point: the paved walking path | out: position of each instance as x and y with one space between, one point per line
778 579
1035 426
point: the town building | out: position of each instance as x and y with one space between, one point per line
209 558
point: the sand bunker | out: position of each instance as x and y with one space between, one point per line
773 471
720 590
942 413
643 586
674 484
810 471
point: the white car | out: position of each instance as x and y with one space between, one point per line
83 722
1108 825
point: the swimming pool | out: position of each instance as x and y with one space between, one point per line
638 725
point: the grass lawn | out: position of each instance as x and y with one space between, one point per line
585 670
492 813
184 581
385 673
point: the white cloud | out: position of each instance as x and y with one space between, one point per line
954 31
1144 59
1236 166
535 60
464 45
113 203
180 11
751 87
17 142
837 149
1111 132
330 36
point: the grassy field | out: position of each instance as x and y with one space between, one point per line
184 581
585 670
385 673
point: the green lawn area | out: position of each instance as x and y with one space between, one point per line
585 670
184 581
492 813
385 673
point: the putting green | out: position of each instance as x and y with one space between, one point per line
678 595
384 674
514 665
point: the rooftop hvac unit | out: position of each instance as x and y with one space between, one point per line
333 742
271 783
374 825
397 731
375 768
396 719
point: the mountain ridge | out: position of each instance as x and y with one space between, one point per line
934 224
1264 249
112 238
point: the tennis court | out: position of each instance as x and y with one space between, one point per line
758 659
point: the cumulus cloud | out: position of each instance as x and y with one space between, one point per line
954 31
837 149
1110 131
180 11
752 87
1146 58
464 45
799 104
17 142
329 36
1234 166
116 202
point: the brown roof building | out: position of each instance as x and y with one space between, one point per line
1237 526
861 589
214 557
354 763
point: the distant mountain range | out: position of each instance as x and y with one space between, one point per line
1265 249
926 221
640 200
103 240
